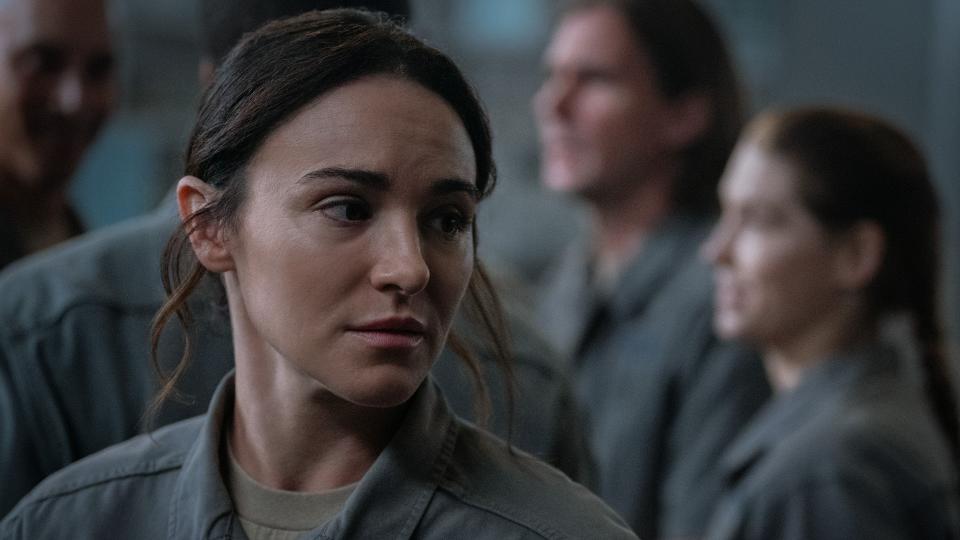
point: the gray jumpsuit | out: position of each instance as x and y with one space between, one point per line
437 478
661 396
852 452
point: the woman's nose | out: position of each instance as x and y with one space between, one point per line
400 264
715 249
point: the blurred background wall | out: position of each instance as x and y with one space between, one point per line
896 58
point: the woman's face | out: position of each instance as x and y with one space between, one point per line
774 265
355 244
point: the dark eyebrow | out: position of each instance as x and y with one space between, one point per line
381 182
454 185
368 178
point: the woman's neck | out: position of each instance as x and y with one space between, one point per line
287 430
788 360
289 433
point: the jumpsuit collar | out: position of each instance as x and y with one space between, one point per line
821 390
389 501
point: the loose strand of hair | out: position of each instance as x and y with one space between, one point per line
178 289
481 394
487 311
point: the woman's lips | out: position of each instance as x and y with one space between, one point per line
391 332
383 339
726 294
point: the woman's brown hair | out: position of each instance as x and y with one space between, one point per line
852 168
269 76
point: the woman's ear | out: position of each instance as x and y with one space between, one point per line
690 116
860 256
205 71
206 236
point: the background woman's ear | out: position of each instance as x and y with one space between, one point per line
207 237
689 119
861 255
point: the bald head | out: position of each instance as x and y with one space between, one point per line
56 87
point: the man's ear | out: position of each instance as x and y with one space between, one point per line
860 255
206 236
205 71
690 117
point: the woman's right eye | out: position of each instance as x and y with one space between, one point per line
345 209
763 218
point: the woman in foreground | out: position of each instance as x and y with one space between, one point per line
829 233
331 182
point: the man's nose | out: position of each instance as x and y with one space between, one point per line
69 93
554 97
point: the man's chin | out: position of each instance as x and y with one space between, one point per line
48 176
58 163
564 181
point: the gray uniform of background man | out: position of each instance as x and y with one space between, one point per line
75 374
637 116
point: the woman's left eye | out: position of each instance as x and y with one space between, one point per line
450 223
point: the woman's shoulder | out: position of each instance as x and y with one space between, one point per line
891 427
878 429
878 445
516 488
120 480
863 467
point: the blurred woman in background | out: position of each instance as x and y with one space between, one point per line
829 231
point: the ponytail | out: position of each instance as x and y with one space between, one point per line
937 378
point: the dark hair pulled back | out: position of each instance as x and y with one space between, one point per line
266 79
223 22
853 168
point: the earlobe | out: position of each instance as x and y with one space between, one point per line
861 256
205 71
690 117
206 236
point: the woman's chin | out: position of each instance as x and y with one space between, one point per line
384 390
728 326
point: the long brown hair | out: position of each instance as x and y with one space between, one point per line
268 77
851 168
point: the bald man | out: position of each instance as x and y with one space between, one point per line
56 90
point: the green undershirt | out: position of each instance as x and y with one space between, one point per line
273 514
